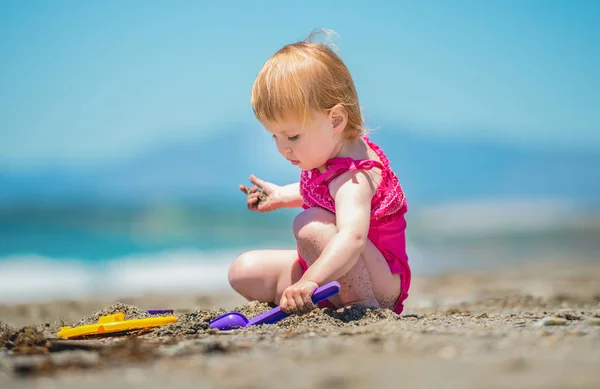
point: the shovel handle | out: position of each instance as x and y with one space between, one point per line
276 314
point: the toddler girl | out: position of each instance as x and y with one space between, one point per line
352 227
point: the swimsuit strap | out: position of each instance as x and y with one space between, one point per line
337 166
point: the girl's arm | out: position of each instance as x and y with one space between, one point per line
352 192
290 195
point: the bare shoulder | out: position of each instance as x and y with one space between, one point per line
363 181
357 184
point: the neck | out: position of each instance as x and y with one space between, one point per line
344 148
349 148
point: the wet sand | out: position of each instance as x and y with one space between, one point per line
533 326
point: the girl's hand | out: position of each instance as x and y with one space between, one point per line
263 196
297 298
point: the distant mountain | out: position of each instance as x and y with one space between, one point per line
445 169
430 170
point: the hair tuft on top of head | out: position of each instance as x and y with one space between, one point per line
327 42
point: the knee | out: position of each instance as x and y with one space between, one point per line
314 223
241 269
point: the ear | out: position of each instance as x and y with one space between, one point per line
338 117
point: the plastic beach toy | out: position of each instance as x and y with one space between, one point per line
114 323
233 320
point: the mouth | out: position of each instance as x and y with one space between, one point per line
294 162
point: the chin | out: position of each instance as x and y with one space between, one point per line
302 166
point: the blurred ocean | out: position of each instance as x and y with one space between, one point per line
75 252
78 252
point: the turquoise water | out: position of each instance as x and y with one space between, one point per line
97 234
102 235
78 252
60 242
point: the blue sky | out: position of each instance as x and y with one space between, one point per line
83 82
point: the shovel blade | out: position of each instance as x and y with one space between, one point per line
229 321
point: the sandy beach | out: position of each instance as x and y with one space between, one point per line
534 326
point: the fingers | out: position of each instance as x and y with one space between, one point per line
253 195
308 303
248 190
305 302
299 301
244 189
251 201
287 305
257 181
296 300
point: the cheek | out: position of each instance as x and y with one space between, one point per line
299 150
280 146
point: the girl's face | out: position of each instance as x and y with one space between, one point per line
309 145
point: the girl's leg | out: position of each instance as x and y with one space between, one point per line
369 282
263 275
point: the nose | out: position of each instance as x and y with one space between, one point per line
283 148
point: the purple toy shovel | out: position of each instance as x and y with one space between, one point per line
232 320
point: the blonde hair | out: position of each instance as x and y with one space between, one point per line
305 76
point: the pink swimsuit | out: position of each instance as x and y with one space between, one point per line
388 207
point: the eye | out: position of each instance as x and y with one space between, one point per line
293 138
